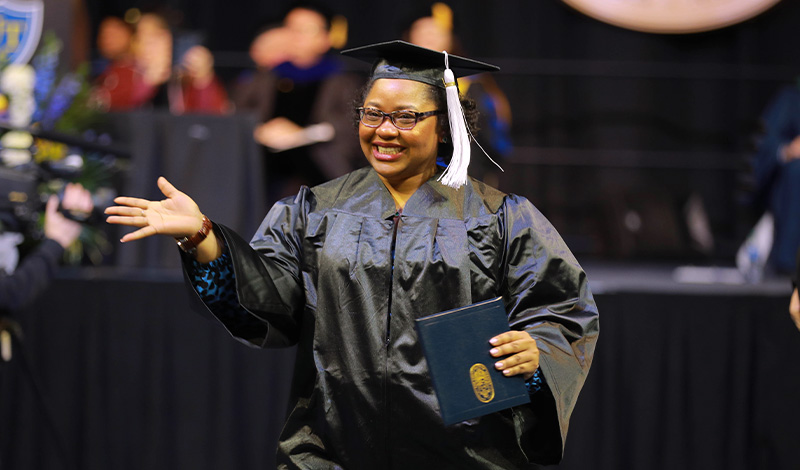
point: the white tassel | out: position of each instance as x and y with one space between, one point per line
455 175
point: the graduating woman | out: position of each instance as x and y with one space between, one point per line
343 269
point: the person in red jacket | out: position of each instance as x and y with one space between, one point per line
149 77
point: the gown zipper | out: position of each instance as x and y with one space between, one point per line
387 433
395 223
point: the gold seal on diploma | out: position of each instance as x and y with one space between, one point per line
481 383
671 16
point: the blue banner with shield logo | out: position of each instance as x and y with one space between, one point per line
20 29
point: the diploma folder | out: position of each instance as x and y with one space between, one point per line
456 346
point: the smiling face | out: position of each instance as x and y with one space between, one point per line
401 157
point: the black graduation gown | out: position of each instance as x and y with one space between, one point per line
321 273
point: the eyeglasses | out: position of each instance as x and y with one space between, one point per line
403 120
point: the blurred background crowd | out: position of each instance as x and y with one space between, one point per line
636 145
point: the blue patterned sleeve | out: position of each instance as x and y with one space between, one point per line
215 283
535 383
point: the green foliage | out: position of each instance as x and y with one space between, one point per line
80 115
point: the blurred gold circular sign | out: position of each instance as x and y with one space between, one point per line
671 16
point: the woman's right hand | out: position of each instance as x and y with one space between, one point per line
176 216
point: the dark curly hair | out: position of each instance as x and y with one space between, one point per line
439 98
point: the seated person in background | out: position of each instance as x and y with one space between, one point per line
22 284
777 172
299 95
114 43
152 80
113 88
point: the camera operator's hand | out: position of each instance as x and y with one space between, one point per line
59 228
176 216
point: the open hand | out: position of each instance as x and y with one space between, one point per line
176 216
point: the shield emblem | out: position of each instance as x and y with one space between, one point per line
20 29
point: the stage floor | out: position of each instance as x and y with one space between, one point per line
605 277
674 278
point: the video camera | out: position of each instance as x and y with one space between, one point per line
22 200
21 197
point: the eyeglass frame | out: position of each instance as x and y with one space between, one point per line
417 117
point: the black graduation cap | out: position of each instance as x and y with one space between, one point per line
406 61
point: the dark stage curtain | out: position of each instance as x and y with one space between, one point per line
137 380
690 381
213 159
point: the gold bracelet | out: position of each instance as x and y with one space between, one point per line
189 244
